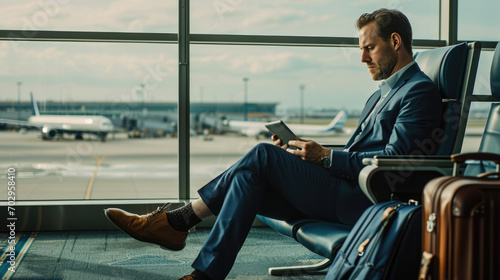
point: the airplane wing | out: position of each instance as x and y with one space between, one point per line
20 123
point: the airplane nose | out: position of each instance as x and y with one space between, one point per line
106 126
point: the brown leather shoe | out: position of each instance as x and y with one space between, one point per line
187 277
152 227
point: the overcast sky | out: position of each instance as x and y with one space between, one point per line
332 77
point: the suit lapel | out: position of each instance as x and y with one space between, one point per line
369 126
369 105
406 76
364 114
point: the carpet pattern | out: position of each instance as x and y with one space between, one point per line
113 255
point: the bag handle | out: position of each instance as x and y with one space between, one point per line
488 174
461 158
386 217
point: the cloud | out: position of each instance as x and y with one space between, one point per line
95 65
120 15
263 17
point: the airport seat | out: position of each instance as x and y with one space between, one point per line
490 143
453 69
450 81
409 175
386 174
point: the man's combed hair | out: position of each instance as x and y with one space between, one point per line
389 21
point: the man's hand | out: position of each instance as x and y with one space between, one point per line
277 141
307 149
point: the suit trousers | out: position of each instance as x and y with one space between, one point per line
268 181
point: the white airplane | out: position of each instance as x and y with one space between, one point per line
56 125
251 128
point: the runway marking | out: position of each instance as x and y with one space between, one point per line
91 183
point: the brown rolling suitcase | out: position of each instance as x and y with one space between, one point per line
461 224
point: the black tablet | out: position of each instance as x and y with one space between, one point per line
284 133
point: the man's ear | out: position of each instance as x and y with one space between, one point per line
396 41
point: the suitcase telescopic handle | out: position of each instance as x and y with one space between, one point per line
488 174
461 158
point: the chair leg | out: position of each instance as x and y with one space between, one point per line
289 270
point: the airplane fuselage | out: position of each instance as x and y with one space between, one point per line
253 128
53 125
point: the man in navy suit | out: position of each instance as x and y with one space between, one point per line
312 181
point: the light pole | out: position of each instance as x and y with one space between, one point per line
245 97
201 94
142 98
302 87
19 100
142 106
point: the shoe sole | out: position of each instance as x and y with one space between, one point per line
163 245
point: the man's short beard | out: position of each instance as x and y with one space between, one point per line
385 67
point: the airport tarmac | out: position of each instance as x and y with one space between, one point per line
121 168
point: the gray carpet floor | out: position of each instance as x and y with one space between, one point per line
114 255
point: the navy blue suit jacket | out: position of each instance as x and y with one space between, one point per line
403 124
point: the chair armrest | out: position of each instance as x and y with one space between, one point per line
408 160
401 178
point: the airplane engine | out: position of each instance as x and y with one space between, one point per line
48 134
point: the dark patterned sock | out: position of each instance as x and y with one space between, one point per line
198 275
183 218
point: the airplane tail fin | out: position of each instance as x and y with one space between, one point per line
34 106
338 122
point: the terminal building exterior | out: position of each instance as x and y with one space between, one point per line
121 113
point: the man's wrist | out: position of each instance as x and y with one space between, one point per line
326 160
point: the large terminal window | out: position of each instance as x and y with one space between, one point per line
119 81
479 110
317 80
248 60
478 20
304 18
92 15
